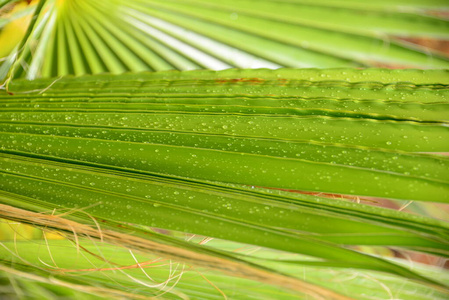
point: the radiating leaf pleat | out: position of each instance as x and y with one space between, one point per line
411 5
350 19
161 35
176 212
359 48
230 128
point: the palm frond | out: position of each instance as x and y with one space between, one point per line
205 184
163 35
190 151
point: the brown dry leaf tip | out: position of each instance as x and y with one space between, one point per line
230 267
353 198
254 81
441 46
441 13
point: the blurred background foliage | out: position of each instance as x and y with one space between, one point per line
90 37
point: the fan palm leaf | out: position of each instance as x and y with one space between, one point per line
184 35
148 180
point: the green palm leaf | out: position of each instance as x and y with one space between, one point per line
190 284
255 144
111 146
138 171
164 35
